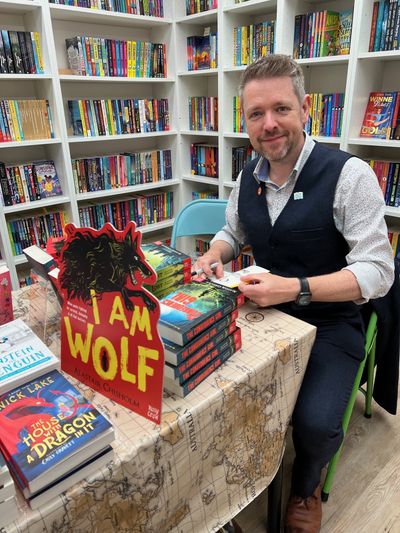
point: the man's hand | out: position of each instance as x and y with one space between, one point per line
269 289
204 264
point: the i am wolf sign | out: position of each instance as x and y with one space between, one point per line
109 337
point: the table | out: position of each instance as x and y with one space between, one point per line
214 452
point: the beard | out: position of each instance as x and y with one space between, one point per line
277 153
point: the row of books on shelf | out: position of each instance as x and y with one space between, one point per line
203 113
253 41
382 116
29 182
322 33
22 120
239 125
117 117
387 173
326 114
385 26
204 195
150 8
243 260
36 229
241 155
202 51
144 209
41 410
108 172
204 160
96 56
199 6
20 52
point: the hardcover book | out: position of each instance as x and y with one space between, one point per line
378 115
190 309
23 356
47 178
175 354
165 260
48 429
6 308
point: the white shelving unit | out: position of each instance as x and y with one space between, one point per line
356 74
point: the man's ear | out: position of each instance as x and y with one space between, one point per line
305 108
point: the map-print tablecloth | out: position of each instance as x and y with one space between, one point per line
214 452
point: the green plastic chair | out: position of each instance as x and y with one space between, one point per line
369 359
199 217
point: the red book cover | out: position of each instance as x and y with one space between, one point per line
109 337
378 115
6 308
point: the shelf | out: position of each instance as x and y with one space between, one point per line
113 79
392 211
326 140
233 135
206 17
19 6
201 179
200 132
383 143
98 16
20 259
38 204
329 60
126 190
156 227
230 184
252 7
35 142
20 77
100 138
202 72
233 70
389 55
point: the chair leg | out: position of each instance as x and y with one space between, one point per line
370 382
330 474
274 515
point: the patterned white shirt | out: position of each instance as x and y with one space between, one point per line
358 212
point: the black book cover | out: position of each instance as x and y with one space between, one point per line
31 55
3 59
24 52
16 52
7 50
5 189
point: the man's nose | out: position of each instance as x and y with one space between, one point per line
269 121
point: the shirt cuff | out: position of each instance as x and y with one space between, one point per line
367 277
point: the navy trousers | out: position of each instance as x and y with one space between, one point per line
323 397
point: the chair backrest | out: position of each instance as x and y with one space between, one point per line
200 217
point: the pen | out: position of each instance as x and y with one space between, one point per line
199 271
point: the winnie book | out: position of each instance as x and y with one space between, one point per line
6 308
46 176
378 115
23 355
190 309
49 428
109 337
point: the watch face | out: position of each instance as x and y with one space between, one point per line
303 299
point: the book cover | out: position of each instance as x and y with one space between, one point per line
48 429
330 34
165 260
175 354
192 308
183 389
221 342
23 355
47 178
345 25
378 115
109 337
6 308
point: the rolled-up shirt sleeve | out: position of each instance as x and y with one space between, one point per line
233 232
359 210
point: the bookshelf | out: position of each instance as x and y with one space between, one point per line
355 74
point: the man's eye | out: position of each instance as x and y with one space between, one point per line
283 109
255 114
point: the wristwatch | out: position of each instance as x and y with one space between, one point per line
304 296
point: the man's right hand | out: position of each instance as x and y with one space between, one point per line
208 264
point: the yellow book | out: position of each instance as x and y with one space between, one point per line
83 120
129 58
16 124
10 120
36 38
395 240
134 46
110 110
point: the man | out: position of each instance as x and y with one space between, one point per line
315 218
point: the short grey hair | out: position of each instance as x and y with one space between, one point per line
275 66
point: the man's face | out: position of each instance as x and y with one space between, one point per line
275 118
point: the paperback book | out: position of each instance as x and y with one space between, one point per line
39 260
6 307
190 309
47 178
48 429
23 356
166 261
379 115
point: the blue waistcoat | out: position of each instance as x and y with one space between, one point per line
304 240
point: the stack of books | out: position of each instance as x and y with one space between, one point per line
8 505
172 267
198 329
50 435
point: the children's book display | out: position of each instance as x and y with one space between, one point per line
6 309
49 431
109 337
23 356
197 324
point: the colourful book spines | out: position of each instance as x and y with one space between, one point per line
25 120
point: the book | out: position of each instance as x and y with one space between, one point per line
39 260
183 389
46 175
232 279
223 341
166 261
23 356
345 25
379 115
190 309
6 307
175 354
330 34
89 467
48 429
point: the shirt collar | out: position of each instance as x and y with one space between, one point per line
261 172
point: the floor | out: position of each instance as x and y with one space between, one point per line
365 496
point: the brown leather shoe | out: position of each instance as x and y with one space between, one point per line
304 515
